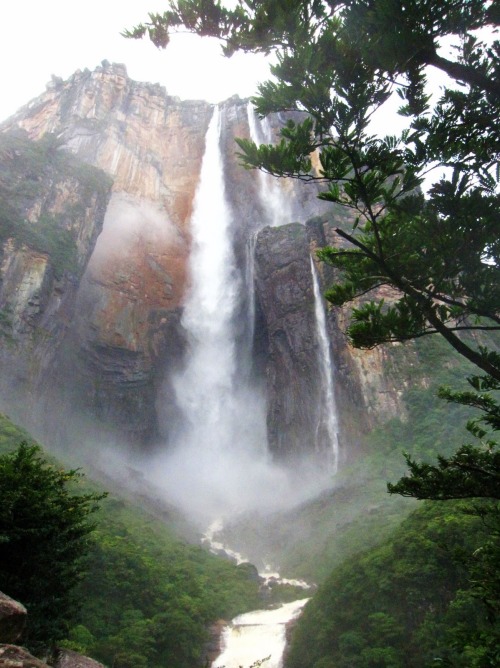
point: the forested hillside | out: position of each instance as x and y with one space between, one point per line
409 602
147 598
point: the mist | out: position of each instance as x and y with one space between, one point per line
216 462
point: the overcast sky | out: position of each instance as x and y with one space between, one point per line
39 38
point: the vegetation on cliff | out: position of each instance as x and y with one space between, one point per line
144 598
407 603
29 171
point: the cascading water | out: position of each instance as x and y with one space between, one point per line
276 205
206 384
328 423
258 635
218 463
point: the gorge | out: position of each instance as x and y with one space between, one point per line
182 336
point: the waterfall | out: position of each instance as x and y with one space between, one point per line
277 205
327 424
258 635
250 283
207 381
217 462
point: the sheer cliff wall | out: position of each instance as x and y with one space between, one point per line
115 335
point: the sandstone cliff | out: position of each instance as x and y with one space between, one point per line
118 331
52 209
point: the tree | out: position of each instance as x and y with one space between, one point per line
44 538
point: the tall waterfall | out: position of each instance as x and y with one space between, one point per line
218 460
328 423
276 204
206 384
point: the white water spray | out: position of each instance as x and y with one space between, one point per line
218 463
328 422
276 203
258 635
206 383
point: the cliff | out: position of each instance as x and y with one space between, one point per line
104 343
51 211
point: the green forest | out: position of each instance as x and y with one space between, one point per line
140 597
405 548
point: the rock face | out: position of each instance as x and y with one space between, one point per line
286 337
12 656
53 207
96 344
12 619
66 658
368 384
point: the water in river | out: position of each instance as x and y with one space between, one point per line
257 635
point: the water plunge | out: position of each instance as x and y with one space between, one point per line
217 463
328 423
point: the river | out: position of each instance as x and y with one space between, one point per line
259 635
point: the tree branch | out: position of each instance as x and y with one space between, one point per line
464 73
427 308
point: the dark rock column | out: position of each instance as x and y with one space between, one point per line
286 339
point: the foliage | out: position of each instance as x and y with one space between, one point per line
474 470
151 597
44 540
408 602
339 62
145 598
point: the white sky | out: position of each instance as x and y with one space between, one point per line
39 38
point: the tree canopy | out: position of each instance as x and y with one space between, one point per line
44 539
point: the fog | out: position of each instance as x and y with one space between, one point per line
130 221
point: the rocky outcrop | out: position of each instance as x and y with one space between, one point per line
213 645
286 338
12 619
369 384
12 656
66 658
